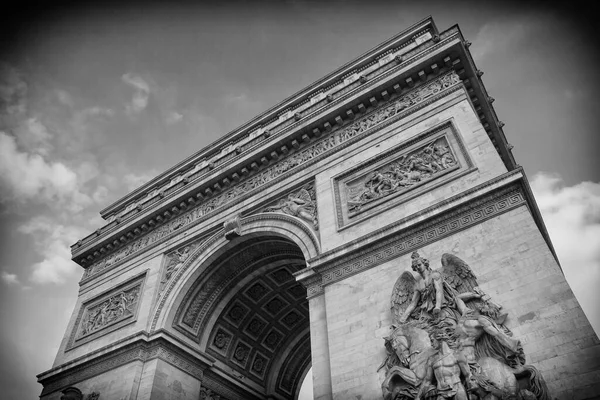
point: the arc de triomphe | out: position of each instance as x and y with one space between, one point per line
374 226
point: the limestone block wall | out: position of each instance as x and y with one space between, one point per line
161 381
514 266
149 272
454 108
121 383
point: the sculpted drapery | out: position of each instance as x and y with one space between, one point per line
448 340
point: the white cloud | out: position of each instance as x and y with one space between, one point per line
139 102
9 279
33 136
56 266
572 217
52 240
173 117
25 176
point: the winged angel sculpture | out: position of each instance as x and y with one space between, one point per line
448 340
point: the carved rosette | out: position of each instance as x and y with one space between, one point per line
301 203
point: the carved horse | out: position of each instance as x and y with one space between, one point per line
497 380
413 347
505 382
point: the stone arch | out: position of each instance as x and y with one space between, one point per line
292 228
240 303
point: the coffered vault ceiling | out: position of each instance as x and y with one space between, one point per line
256 320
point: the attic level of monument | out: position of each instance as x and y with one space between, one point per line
409 69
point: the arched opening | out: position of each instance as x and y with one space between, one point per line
244 308
306 388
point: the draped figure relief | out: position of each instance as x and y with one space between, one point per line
409 171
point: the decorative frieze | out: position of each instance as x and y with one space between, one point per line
152 237
448 223
401 173
338 139
107 312
110 311
405 173
426 235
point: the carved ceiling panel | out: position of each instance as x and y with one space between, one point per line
226 272
250 311
260 323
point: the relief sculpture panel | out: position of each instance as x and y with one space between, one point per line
403 172
108 312
407 172
111 310
449 340
174 260
382 115
300 203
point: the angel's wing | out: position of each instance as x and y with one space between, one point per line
458 274
304 195
309 204
402 295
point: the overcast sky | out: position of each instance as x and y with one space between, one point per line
96 101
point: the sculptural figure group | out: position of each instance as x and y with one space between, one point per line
449 341
115 308
408 171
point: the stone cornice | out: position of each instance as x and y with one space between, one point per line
254 161
328 85
499 195
445 51
140 347
398 107
209 241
